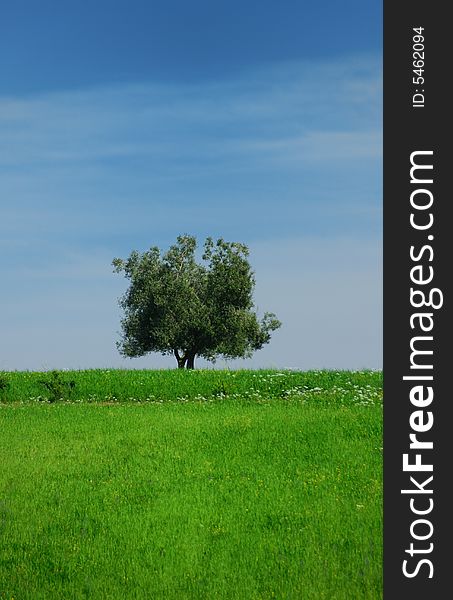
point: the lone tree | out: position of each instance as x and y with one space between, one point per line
175 305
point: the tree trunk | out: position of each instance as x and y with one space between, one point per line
180 359
191 360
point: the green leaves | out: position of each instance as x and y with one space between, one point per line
175 305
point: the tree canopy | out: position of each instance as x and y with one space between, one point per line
175 305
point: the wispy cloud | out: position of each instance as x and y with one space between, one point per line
209 121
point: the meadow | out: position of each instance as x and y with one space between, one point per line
191 485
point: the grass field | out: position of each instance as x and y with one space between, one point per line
191 485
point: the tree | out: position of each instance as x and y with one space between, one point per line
175 305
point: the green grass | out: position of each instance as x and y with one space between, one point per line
247 485
116 385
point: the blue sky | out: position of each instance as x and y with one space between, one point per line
123 125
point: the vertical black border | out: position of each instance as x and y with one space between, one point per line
408 129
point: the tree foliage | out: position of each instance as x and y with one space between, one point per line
175 305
